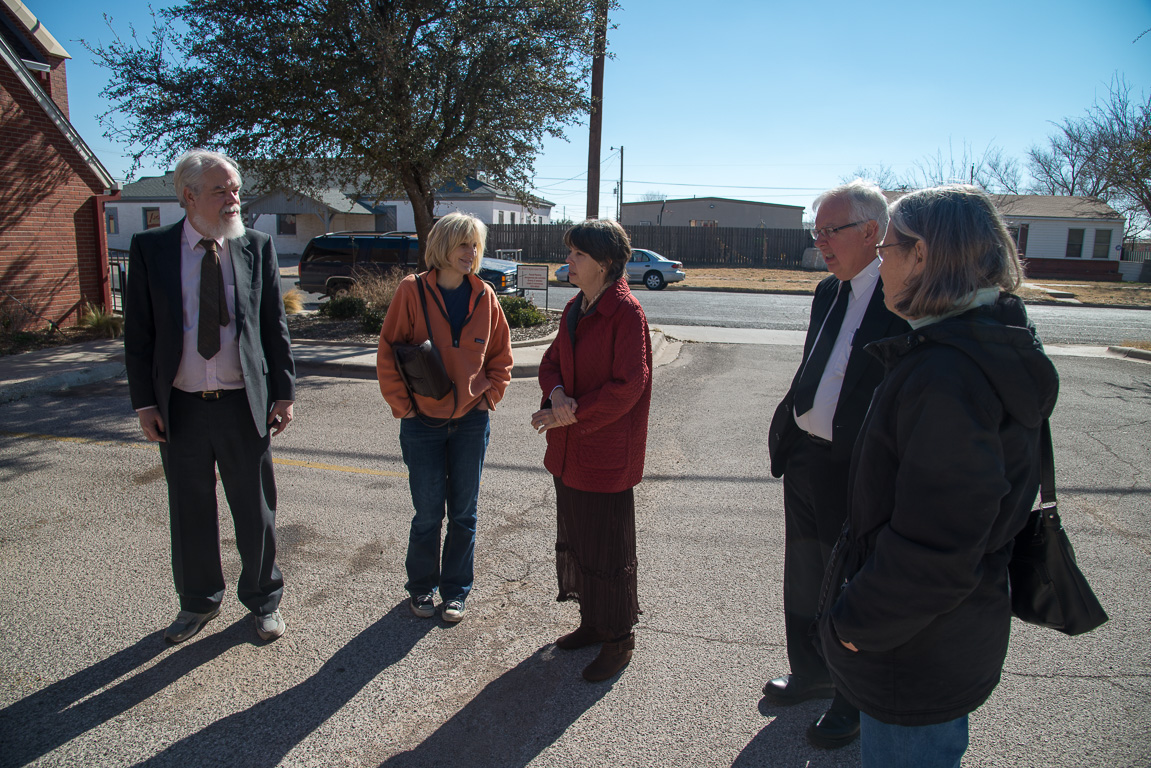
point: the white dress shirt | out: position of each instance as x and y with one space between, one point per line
223 370
818 421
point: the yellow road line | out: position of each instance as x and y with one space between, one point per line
288 462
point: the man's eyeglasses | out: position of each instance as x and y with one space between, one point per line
829 231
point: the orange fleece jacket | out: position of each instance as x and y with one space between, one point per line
481 366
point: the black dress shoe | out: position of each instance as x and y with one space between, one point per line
833 730
791 689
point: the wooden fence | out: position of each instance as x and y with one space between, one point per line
694 246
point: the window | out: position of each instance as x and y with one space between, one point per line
513 217
501 219
704 223
151 218
112 221
1075 243
1102 244
285 223
1021 239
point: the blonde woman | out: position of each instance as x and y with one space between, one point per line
444 441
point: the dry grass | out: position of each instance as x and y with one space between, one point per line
1137 344
293 301
106 324
377 290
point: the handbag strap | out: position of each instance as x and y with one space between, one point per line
424 304
1047 467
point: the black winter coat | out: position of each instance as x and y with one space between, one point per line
943 476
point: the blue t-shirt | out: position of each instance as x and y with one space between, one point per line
456 304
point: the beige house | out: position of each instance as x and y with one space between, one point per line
712 212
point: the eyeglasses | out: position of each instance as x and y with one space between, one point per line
829 231
901 244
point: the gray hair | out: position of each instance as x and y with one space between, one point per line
968 248
192 165
865 200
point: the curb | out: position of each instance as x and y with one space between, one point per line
1132 352
51 383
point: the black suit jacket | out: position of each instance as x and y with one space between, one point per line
154 325
863 374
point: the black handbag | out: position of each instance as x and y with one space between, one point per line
420 365
1047 587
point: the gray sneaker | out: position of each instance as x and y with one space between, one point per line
423 606
187 624
269 626
453 610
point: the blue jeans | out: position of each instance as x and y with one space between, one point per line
444 465
911 746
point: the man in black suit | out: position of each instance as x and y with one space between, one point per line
211 375
813 432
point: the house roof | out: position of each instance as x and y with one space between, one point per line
1043 206
716 199
13 60
160 188
33 27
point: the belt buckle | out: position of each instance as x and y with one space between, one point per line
213 394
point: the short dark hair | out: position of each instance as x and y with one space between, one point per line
605 241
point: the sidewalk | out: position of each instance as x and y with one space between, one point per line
49 370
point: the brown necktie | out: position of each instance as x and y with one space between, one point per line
213 305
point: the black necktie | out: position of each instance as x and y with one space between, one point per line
813 370
213 305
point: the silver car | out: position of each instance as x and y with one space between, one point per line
646 267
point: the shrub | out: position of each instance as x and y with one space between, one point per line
293 301
106 324
520 312
343 307
373 320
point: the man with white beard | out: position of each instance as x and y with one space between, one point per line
211 375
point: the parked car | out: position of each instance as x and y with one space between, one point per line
646 267
332 261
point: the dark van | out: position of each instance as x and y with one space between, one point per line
331 262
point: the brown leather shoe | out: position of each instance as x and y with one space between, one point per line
612 658
581 638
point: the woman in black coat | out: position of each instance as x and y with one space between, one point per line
915 613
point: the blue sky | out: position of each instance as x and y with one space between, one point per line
775 101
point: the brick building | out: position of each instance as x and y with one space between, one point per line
53 257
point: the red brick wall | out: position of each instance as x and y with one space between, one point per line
1102 270
49 254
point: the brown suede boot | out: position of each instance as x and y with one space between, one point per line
581 638
613 657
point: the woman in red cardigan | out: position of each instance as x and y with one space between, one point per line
596 381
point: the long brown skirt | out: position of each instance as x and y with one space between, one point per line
595 557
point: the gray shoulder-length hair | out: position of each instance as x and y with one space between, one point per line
968 248
192 165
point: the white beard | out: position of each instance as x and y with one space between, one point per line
222 227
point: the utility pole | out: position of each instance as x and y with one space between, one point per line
595 121
619 200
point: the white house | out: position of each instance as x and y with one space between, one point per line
1060 236
712 212
293 218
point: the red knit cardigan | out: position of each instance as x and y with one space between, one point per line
608 371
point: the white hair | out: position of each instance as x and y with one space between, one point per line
865 201
192 165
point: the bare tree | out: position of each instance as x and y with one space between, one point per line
1104 154
652 196
380 96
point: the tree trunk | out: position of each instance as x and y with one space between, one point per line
423 200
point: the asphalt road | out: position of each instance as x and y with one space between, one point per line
85 679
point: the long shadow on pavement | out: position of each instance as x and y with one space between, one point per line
265 732
513 719
34 726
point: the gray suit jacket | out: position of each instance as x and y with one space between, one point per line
153 321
